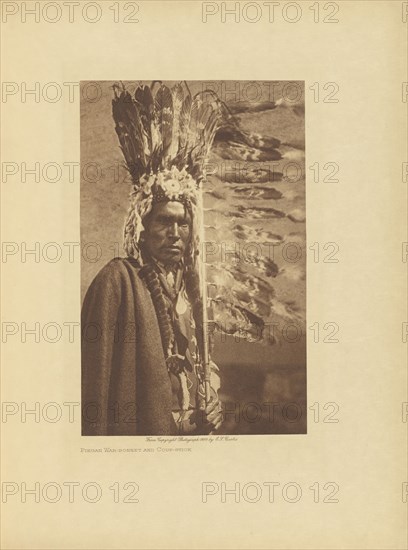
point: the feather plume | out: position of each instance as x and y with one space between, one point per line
130 133
178 95
163 105
159 128
145 104
185 115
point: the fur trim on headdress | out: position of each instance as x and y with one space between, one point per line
169 185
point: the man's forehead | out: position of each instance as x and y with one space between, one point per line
170 209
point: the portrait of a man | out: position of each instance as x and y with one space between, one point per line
151 363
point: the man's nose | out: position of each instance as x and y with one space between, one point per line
174 230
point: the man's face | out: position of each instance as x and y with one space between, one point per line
167 232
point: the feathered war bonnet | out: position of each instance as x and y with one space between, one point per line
165 139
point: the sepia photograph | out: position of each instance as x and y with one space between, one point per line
193 223
204 275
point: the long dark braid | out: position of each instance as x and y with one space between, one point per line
149 274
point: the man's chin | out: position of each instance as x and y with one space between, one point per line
170 256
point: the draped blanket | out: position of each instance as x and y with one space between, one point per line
126 388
